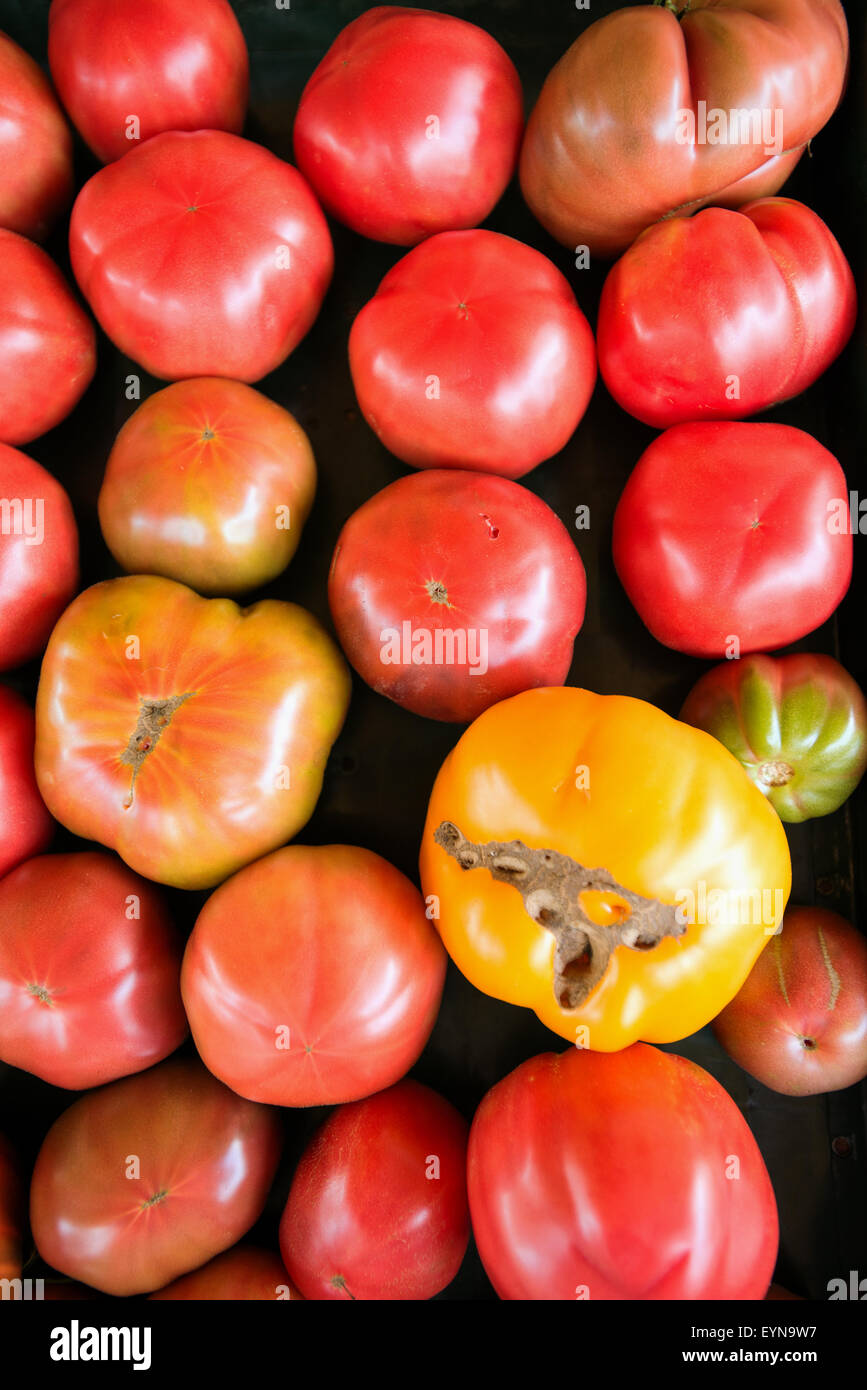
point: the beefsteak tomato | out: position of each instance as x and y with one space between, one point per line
602 864
410 125
188 734
210 483
378 1204
128 72
451 590
36 178
201 254
473 353
89 971
47 342
796 724
25 825
143 1180
659 109
725 537
331 991
628 1176
38 556
239 1275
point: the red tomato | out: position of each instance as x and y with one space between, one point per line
47 343
89 971
25 825
11 1213
188 734
201 255
473 354
378 1204
332 989
721 315
127 72
619 1175
209 482
38 556
658 109
145 1179
799 1023
410 125
450 591
236 1276
723 537
36 180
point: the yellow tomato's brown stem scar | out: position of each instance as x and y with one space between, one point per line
154 718
551 885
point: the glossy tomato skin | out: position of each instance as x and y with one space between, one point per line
38 557
724 532
614 785
378 1203
797 725
460 553
47 342
11 1212
36 178
188 734
473 353
206 1159
610 1177
410 125
173 67
214 212
209 482
718 316
799 1023
331 992
25 824
243 1274
630 75
89 971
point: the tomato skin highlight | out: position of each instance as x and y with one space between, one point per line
365 138
725 532
26 826
368 1216
36 182
473 353
89 971
609 1176
467 554
332 989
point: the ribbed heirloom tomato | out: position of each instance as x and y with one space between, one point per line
38 556
602 864
36 178
25 825
632 1176
188 734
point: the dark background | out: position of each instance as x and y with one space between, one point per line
384 763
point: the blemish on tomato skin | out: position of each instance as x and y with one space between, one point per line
493 531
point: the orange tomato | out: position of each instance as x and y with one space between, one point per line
665 872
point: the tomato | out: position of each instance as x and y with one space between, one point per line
721 315
450 591
410 125
36 179
333 987
127 72
473 353
725 540
659 109
25 825
47 343
143 1180
796 724
602 864
11 1213
188 734
629 1176
201 255
38 556
378 1203
799 1023
89 971
236 1276
209 482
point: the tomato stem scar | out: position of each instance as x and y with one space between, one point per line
154 718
